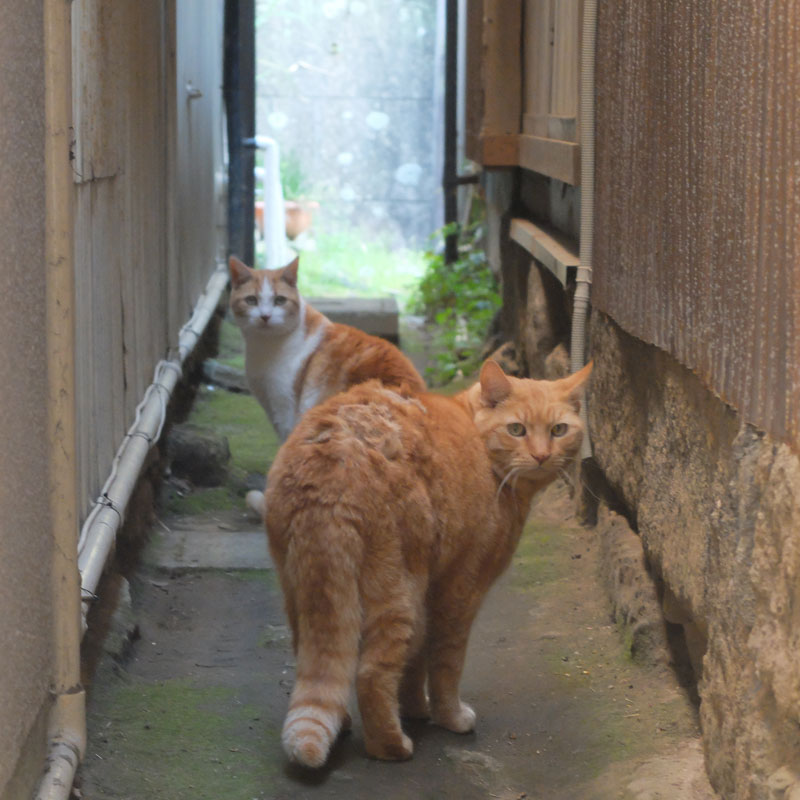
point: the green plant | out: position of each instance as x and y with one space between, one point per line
294 182
461 298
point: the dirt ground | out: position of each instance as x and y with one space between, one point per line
193 707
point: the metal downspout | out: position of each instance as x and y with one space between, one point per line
584 276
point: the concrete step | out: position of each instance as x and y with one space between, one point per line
378 316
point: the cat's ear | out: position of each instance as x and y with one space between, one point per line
572 385
495 386
240 272
289 273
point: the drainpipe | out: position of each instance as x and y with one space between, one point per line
99 532
67 721
584 277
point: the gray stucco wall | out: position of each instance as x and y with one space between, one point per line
25 545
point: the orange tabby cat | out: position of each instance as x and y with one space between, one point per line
296 357
389 516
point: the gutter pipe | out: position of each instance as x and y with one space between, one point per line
99 532
584 276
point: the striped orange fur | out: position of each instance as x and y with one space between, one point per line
389 515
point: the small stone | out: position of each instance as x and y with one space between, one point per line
198 454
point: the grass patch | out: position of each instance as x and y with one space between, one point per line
541 557
253 444
231 346
176 737
345 263
240 418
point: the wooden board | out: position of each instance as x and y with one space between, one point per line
554 250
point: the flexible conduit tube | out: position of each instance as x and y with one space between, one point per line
100 529
580 308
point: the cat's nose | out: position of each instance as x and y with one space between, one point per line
540 458
265 317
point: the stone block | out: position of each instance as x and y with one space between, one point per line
198 454
378 316
716 504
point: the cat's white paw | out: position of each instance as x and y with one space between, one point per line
255 502
461 720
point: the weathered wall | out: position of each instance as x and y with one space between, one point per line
25 655
697 213
717 506
147 167
145 161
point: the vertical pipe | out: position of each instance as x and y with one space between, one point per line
247 93
450 171
67 727
584 277
239 93
233 119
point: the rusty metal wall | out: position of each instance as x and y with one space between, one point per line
698 186
147 160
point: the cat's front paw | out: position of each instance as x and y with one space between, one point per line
460 720
390 748
255 503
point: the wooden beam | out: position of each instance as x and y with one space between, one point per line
554 250
499 151
553 157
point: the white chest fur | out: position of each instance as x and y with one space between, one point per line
272 364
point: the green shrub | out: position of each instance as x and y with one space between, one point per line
461 298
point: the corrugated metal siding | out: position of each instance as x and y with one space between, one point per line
698 184
146 228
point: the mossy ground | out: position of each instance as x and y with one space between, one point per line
239 417
179 740
197 711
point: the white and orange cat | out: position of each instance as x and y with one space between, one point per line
389 516
295 357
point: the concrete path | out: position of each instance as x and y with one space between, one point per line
196 709
192 708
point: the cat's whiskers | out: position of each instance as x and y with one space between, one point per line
512 473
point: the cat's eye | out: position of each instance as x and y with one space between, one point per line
516 428
559 429
251 300
280 300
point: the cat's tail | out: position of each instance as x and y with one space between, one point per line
327 621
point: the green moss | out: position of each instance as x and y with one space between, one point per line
241 419
202 501
253 444
177 739
540 558
231 346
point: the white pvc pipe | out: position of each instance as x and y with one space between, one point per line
584 276
104 520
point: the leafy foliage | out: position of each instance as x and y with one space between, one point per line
461 298
294 182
